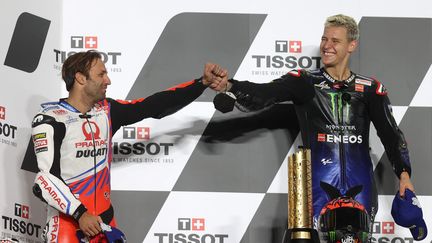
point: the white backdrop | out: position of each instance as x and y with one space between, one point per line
127 33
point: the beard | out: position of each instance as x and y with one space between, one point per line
95 94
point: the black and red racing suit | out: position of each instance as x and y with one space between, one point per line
334 118
74 153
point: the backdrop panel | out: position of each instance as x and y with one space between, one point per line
203 176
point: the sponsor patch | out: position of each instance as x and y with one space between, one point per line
321 137
359 88
364 82
39 136
42 149
50 107
59 112
381 90
331 138
40 143
295 73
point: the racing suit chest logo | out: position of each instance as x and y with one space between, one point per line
332 138
93 145
90 128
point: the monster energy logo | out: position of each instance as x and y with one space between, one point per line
332 236
337 107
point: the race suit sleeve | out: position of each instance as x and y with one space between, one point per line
290 87
47 135
388 131
158 105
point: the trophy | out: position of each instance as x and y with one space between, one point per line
300 196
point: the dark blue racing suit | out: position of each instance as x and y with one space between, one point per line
334 118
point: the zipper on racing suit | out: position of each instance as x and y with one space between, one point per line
94 161
340 120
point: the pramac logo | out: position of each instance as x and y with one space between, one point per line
93 145
90 129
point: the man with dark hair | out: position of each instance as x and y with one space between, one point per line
334 107
73 136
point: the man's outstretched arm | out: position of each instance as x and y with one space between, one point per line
169 101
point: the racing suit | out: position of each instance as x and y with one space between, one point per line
74 153
334 118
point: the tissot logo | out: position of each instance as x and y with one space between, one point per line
77 42
88 42
196 224
388 227
140 148
19 223
2 113
191 230
385 227
91 42
7 131
292 46
391 239
387 231
295 46
288 55
136 133
107 57
376 227
281 46
22 211
80 43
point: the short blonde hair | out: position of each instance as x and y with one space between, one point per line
348 22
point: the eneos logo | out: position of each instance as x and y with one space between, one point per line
331 138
